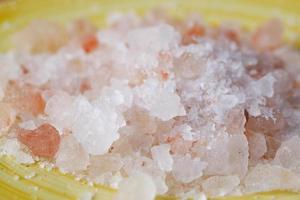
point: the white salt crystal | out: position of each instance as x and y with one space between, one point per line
136 187
266 177
118 94
59 109
194 170
220 185
160 99
95 127
12 147
288 156
153 39
161 155
71 156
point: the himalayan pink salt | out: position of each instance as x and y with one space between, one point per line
266 177
136 187
227 155
89 43
257 146
161 154
44 141
25 99
220 185
195 168
71 156
268 36
199 109
104 164
7 117
288 156
264 124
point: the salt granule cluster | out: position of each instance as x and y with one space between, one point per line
155 105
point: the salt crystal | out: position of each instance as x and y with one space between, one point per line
43 141
12 147
227 155
195 168
29 125
71 156
220 185
266 177
160 99
7 117
59 109
136 187
161 154
95 127
153 39
99 165
288 156
257 146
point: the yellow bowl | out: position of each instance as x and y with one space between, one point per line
14 14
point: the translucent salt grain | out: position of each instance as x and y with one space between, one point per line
288 156
71 156
161 155
227 155
266 177
29 125
25 99
195 169
160 100
257 146
268 36
59 109
99 165
153 39
7 117
12 147
95 127
220 185
136 187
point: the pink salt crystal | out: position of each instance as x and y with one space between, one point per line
180 146
7 117
235 121
161 154
43 141
257 146
266 177
268 36
71 156
227 155
194 171
263 124
25 98
220 185
288 156
104 164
